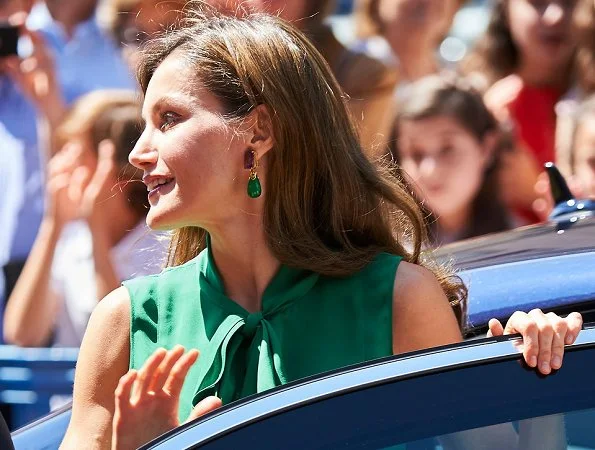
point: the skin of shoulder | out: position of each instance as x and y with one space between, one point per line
103 360
422 315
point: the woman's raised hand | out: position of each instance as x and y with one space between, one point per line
147 400
544 336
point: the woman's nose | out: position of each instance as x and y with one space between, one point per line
143 154
427 167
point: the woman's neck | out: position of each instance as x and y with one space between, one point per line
451 227
244 260
416 59
535 74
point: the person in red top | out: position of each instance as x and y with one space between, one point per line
527 59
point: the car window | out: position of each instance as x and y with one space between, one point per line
479 406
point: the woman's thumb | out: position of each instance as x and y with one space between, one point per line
205 406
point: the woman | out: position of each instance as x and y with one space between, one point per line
286 246
449 143
527 57
92 234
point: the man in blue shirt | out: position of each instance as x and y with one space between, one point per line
80 58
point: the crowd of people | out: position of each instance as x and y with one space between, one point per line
360 149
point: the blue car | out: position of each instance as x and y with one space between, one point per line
472 395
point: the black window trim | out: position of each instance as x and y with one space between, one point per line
313 389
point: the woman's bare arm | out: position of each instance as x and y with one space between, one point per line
422 315
32 307
103 360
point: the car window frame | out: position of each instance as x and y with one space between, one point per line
363 376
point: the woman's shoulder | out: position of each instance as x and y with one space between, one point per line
169 275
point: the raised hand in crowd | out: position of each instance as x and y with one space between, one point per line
36 76
73 192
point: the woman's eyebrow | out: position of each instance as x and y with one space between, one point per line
167 99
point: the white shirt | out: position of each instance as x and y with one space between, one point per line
12 180
141 252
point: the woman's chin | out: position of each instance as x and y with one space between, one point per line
157 221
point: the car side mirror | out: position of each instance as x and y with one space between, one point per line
564 201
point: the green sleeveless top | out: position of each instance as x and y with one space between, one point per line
309 324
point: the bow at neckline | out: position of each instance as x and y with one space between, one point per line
241 327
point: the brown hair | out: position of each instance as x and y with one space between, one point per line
454 97
495 55
334 211
585 56
113 115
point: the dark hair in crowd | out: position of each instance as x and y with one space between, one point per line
334 211
495 54
454 97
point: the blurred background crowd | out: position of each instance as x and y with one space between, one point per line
470 97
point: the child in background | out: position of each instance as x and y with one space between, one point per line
93 234
448 143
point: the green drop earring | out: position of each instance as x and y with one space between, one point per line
251 162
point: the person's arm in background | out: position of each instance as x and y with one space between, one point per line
32 307
36 76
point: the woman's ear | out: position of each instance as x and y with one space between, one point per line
260 133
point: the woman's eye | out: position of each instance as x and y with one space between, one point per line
168 119
446 151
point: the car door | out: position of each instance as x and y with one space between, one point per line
475 395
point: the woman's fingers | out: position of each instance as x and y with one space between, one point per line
495 328
165 368
574 321
124 389
546 340
146 373
544 336
175 380
204 406
560 328
520 322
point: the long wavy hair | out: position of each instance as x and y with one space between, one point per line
328 209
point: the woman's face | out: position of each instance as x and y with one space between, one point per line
445 161
542 30
191 160
428 20
584 156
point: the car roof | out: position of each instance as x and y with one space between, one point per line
553 238
549 266
338 382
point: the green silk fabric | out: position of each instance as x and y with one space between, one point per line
309 324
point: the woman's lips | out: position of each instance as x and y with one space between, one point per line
161 189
